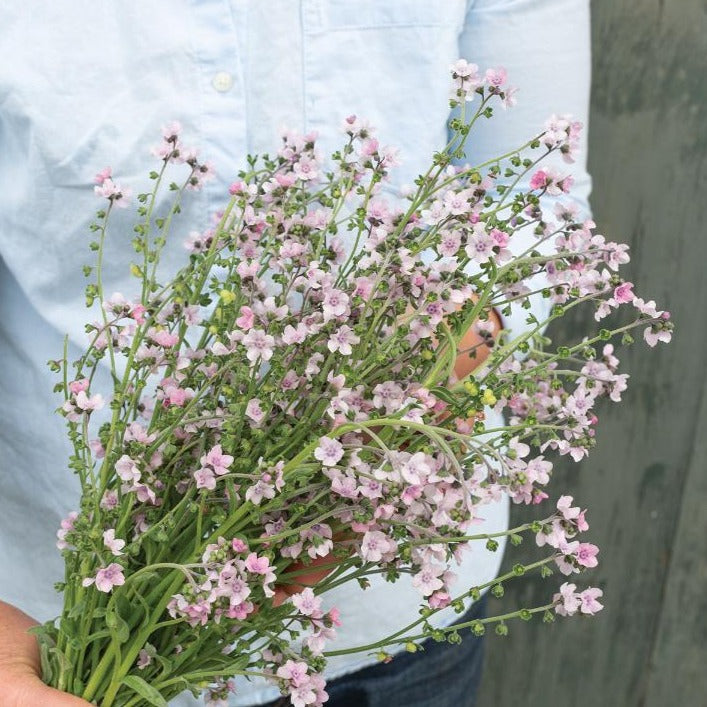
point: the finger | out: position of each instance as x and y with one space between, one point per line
43 695
18 647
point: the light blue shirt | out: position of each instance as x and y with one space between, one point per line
85 84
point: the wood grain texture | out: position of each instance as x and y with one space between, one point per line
646 482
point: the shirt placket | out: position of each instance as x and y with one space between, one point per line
219 53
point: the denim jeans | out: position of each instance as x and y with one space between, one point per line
443 675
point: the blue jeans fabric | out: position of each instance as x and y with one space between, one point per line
443 675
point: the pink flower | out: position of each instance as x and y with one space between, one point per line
257 565
104 174
95 402
127 469
296 673
66 525
143 659
240 611
239 545
439 600
174 395
294 335
246 319
306 169
427 580
164 338
144 493
416 469
137 312
78 385
388 395
205 479
375 545
538 180
496 77
588 598
465 79
554 538
109 500
568 601
259 345
254 411
258 491
564 505
450 242
329 452
653 335
334 615
586 555
108 189
106 578
624 293
217 460
112 543
342 340
307 603
364 287
335 304
480 246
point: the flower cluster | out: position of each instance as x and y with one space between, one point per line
289 399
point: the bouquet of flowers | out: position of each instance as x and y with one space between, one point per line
284 402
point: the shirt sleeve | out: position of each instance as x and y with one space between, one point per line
545 47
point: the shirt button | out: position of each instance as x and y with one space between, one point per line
222 81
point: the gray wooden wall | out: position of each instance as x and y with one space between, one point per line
646 482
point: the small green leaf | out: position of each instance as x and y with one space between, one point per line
77 610
118 626
139 686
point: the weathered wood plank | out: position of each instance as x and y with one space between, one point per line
677 671
645 481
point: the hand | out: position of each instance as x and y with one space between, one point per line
20 682
310 574
310 578
474 343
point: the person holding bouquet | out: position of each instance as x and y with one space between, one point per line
87 81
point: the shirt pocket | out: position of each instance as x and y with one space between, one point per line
386 62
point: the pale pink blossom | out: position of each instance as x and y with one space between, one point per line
205 479
329 452
246 319
589 601
65 526
427 580
106 578
164 338
104 174
624 293
342 340
95 402
375 545
115 545
127 469
259 345
335 304
586 555
109 500
254 411
217 460
567 600
307 603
